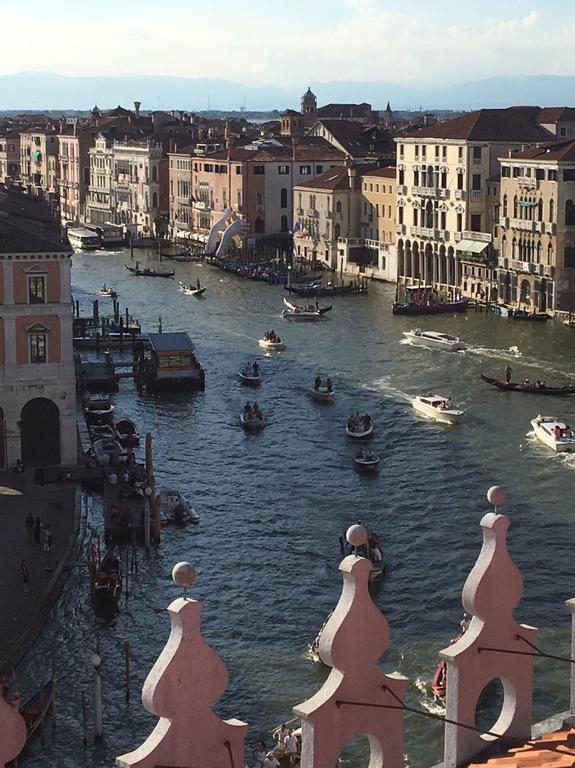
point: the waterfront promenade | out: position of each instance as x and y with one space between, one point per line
25 606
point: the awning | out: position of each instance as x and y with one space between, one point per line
471 246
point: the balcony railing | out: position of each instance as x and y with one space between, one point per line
460 194
401 189
424 191
548 270
524 224
423 232
527 181
550 229
400 229
482 237
476 194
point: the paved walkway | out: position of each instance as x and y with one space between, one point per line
24 607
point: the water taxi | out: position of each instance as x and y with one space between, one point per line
434 340
83 239
438 408
271 341
553 433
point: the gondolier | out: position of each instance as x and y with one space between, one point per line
508 372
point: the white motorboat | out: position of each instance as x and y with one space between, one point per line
323 394
108 292
434 340
249 377
359 427
366 461
553 433
272 346
438 408
175 509
301 314
83 239
253 423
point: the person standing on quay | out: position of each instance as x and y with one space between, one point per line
37 531
29 524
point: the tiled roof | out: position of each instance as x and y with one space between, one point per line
553 750
386 173
344 110
559 150
27 226
556 115
498 125
335 178
306 148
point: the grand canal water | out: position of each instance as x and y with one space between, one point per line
273 505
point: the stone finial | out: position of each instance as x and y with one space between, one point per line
185 681
13 732
352 641
492 591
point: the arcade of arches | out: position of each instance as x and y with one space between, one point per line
420 263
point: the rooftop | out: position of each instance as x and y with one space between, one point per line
27 225
381 173
171 342
503 125
558 150
335 178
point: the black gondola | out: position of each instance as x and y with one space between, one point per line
430 308
521 314
531 389
148 272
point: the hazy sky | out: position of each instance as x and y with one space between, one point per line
292 42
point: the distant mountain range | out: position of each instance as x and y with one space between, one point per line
43 91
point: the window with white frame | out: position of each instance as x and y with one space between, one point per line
38 347
37 289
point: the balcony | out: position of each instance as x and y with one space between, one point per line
372 243
351 241
521 266
460 194
424 191
328 215
548 270
524 224
504 222
299 211
442 234
550 229
527 182
482 237
443 194
400 229
476 194
401 189
311 212
423 232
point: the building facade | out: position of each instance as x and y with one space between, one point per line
38 161
536 236
180 165
445 205
136 191
99 196
37 378
74 171
9 157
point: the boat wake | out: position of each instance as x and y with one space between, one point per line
427 700
384 386
513 353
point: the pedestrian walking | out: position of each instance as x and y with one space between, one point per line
48 546
37 531
29 525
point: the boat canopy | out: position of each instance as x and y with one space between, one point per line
171 342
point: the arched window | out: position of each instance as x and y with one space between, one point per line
551 210
540 210
549 254
521 250
525 292
515 207
259 226
283 198
504 205
154 173
284 223
569 213
504 247
538 252
338 206
337 231
259 201
514 248
429 215
155 200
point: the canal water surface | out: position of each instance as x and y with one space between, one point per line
273 505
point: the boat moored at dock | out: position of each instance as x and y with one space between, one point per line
553 433
175 509
438 408
171 363
434 340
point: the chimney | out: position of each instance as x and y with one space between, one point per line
351 174
294 145
137 105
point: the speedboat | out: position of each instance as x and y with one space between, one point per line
272 346
249 377
553 433
252 423
127 432
323 393
359 427
438 408
366 461
192 290
434 340
175 509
